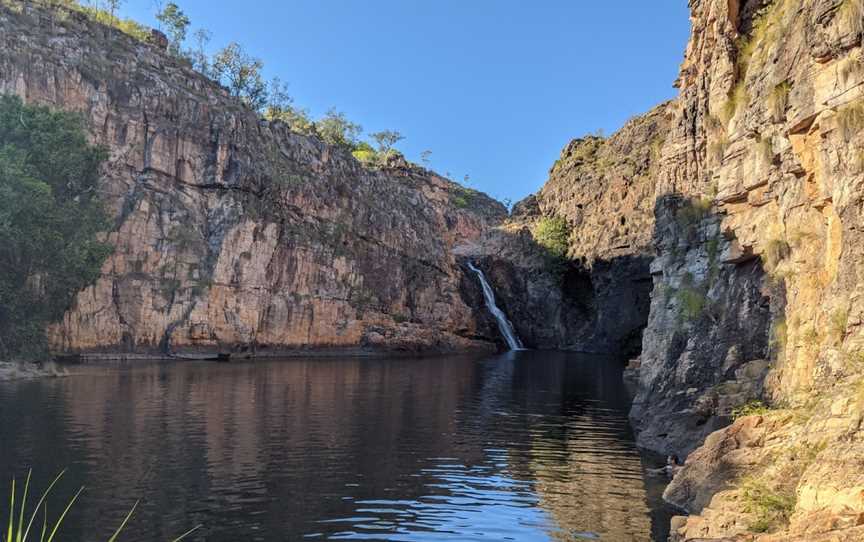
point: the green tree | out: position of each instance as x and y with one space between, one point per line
335 129
386 139
241 73
114 7
198 56
50 215
176 24
280 106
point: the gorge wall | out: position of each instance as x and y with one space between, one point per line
719 235
232 234
598 300
745 195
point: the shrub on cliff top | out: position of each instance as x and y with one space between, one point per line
106 15
50 214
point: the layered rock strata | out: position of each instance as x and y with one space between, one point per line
233 235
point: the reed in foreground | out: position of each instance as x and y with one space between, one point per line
19 532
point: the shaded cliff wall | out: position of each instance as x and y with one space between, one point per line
598 298
233 234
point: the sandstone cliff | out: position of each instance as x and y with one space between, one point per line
234 235
745 193
605 190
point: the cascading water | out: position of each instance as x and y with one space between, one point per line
504 324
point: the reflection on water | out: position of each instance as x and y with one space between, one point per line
524 446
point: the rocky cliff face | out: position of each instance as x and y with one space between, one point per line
598 300
234 235
746 193
774 93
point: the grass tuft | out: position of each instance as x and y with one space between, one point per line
850 118
778 101
19 532
752 408
692 301
738 98
771 507
776 250
839 320
849 66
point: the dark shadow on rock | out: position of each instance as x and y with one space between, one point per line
707 347
562 304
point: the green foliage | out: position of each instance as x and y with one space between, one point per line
752 408
772 508
839 320
366 156
107 15
811 337
280 107
692 301
386 139
373 158
49 219
176 24
21 524
241 74
197 55
462 197
553 234
336 129
768 28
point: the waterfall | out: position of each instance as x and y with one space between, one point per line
504 324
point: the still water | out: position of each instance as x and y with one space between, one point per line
526 446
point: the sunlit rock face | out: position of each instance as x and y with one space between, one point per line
745 195
756 219
234 235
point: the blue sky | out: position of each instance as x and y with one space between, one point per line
494 88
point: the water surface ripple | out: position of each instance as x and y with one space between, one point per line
524 446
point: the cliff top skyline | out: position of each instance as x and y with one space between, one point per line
493 89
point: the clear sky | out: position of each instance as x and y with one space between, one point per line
494 88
